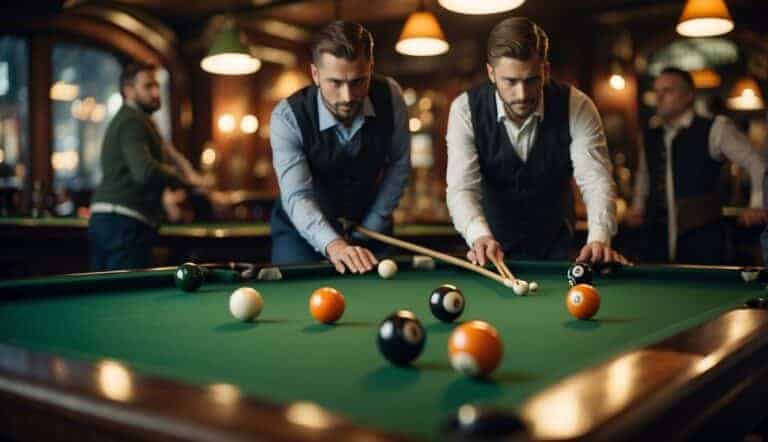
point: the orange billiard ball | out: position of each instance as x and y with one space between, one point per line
475 348
326 305
583 301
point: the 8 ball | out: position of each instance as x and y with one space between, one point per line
579 273
188 277
401 337
446 302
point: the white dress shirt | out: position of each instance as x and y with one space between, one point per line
592 168
726 141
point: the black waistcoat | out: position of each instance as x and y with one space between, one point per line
525 204
344 184
695 173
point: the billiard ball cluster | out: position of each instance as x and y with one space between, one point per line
474 348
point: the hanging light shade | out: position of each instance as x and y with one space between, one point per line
705 18
478 7
422 36
229 56
706 78
746 95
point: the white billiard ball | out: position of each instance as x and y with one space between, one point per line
533 286
245 303
520 287
387 268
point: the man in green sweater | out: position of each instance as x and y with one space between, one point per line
127 206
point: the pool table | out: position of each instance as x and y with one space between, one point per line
673 353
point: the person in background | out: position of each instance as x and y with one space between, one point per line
127 206
676 194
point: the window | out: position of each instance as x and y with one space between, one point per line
85 96
14 112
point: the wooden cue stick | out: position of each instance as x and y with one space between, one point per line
503 269
433 253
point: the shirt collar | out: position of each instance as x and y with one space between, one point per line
327 120
501 114
683 121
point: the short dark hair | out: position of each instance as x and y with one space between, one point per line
683 75
518 38
343 39
131 69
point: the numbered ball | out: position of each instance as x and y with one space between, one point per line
580 273
188 277
401 337
245 303
583 301
326 305
446 302
475 348
387 268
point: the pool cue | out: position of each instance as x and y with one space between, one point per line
433 253
503 269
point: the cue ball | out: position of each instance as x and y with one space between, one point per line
387 268
446 302
245 303
475 348
401 337
520 287
326 305
533 286
583 301
579 273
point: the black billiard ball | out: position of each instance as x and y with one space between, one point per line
446 302
401 337
188 277
579 273
471 422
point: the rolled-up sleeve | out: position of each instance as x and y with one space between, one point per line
145 169
295 179
592 168
726 140
463 177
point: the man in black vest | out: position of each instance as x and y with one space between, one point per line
514 143
341 149
676 189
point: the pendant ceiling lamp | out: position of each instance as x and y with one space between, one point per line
228 55
705 18
422 35
478 7
746 95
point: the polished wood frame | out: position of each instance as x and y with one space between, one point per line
709 379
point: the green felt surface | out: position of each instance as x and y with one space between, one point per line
285 356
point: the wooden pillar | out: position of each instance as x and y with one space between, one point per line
40 80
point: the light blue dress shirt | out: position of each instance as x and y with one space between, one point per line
295 178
